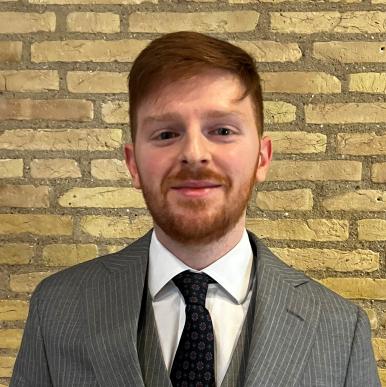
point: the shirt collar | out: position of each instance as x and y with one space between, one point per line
163 266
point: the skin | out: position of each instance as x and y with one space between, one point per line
196 157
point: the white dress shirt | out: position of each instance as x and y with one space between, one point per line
227 300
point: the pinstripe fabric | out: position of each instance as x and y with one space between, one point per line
83 324
149 348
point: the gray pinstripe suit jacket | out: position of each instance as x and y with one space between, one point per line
83 323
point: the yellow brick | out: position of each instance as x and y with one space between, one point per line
372 230
293 200
10 338
331 22
35 224
361 200
298 229
115 112
11 168
102 197
350 52
322 170
54 168
116 227
10 51
279 112
56 109
15 254
106 169
378 172
61 139
294 1
114 248
96 82
68 2
373 319
6 366
27 282
297 142
217 22
368 82
322 259
357 288
24 196
29 80
87 51
13 310
22 22
382 372
361 143
270 51
93 22
68 255
345 113
300 82
379 346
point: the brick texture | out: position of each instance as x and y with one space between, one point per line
24 196
300 83
361 200
23 22
61 139
29 80
86 51
338 260
282 170
68 255
10 51
54 169
161 22
53 110
65 192
350 52
298 229
338 22
293 200
93 22
11 168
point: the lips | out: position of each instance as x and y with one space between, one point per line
196 184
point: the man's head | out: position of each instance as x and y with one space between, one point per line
198 150
182 55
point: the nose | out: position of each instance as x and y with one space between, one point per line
194 148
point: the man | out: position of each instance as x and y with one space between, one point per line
198 301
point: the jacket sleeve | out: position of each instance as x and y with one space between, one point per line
362 367
31 366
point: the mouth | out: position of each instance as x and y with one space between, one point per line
196 188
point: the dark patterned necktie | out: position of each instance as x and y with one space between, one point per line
193 364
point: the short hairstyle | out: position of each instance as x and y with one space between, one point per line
181 55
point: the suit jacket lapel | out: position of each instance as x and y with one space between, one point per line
113 302
284 324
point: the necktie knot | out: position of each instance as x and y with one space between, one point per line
193 286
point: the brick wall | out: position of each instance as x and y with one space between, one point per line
66 197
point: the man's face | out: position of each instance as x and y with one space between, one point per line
197 156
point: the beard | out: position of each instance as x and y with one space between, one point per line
193 221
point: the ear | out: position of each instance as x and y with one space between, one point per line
265 158
132 165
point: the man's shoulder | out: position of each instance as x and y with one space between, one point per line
305 287
74 278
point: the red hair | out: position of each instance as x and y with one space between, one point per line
181 55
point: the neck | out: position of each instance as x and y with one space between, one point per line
199 256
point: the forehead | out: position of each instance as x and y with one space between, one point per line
210 90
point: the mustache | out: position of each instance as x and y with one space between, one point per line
196 174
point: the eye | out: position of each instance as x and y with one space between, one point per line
223 131
166 135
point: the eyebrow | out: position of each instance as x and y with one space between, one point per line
167 117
